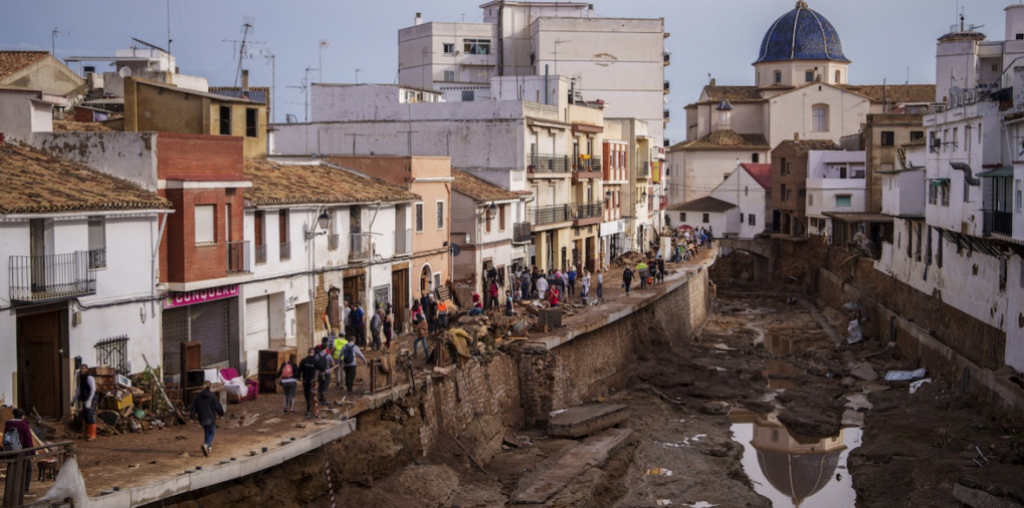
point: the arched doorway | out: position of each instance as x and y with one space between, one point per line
425 277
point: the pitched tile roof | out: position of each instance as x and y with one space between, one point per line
480 190
14 61
895 94
806 145
760 172
724 140
280 184
704 204
717 94
32 182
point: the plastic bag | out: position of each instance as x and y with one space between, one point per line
69 484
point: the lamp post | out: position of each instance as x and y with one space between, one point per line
322 223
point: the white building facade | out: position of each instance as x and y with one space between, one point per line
835 183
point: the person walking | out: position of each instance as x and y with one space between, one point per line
586 286
661 269
422 330
430 311
376 326
327 364
442 315
20 427
627 279
85 397
355 317
600 286
641 271
571 277
308 370
389 328
348 358
508 303
288 378
207 407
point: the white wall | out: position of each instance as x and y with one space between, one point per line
791 113
128 155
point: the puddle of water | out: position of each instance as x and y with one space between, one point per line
796 472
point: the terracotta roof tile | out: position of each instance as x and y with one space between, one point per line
31 182
724 140
732 93
704 204
14 61
806 145
895 94
760 172
478 189
280 184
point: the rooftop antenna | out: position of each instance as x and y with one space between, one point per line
169 40
53 40
324 43
248 28
463 17
304 88
357 75
270 58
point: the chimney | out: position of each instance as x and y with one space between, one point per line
796 136
713 81
245 81
419 18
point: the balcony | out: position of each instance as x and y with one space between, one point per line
643 170
97 258
35 279
668 59
333 241
540 163
586 168
403 242
543 215
238 257
286 251
261 254
668 88
587 214
359 249
522 233
667 116
999 222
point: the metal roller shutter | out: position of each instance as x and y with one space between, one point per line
257 329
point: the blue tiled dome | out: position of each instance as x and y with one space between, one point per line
801 34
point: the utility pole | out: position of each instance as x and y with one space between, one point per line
169 40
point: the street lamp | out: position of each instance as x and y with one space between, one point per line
488 212
322 222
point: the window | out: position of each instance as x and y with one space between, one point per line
944 192
843 200
97 243
917 250
741 217
838 75
449 76
114 352
933 194
225 121
746 191
945 139
251 123
789 167
755 158
938 248
956 136
419 217
820 117
440 215
784 194
204 229
789 194
782 166
282 233
682 216
888 138
928 248
468 96
707 218
488 218
751 219
967 138
916 135
778 77
501 217
809 76
449 48
477 46
802 193
979 133
1002 274
810 199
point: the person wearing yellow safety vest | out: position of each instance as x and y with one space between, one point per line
339 343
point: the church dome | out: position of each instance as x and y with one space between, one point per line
801 34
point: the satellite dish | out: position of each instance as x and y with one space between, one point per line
125 72
955 91
456 250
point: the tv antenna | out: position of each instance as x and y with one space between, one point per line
248 28
357 75
304 88
324 44
53 40
270 58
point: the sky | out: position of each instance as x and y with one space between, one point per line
892 40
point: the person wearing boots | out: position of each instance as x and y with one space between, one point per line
85 397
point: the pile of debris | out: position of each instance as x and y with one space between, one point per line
131 404
628 260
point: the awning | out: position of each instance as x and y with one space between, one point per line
939 182
1002 171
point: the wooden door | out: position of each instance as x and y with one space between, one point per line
400 297
39 366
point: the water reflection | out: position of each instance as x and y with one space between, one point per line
793 471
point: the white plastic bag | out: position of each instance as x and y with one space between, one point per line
69 484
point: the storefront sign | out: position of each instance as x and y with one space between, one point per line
174 300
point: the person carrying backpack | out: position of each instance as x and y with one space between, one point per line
206 407
18 436
627 279
85 396
288 378
309 369
326 365
348 359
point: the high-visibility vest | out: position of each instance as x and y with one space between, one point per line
338 344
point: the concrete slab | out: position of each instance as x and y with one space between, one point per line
586 420
556 475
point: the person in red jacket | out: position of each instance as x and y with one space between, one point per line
553 296
25 436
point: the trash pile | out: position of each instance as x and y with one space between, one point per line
135 404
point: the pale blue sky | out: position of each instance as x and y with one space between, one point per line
721 37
